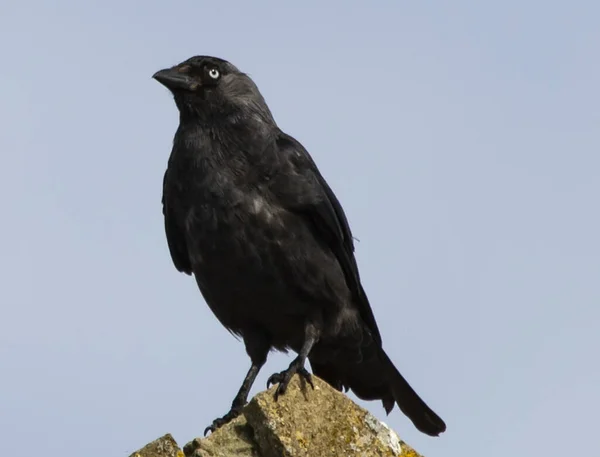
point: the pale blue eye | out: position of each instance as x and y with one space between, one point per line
213 73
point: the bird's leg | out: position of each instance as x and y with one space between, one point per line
297 365
258 352
238 402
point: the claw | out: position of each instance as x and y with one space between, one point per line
219 422
306 376
283 378
275 378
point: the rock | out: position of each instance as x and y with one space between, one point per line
303 422
162 447
234 439
323 423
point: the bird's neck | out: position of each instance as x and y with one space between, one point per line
213 115
226 139
250 121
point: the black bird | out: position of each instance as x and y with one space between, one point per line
248 213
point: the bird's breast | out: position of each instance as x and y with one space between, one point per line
230 219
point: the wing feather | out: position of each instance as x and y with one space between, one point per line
309 194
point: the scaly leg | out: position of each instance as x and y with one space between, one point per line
297 366
258 349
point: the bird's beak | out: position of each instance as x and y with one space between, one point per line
173 79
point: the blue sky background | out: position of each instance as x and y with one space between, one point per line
462 138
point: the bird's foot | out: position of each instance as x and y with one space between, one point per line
218 423
283 378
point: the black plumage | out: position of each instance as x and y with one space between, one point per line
247 212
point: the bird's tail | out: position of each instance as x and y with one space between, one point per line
375 377
409 401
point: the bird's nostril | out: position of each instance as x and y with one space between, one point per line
184 69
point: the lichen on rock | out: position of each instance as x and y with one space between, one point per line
165 446
302 423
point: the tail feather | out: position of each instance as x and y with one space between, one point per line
409 402
375 377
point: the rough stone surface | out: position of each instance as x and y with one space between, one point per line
165 446
232 440
323 422
303 422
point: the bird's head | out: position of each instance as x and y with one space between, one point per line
211 88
